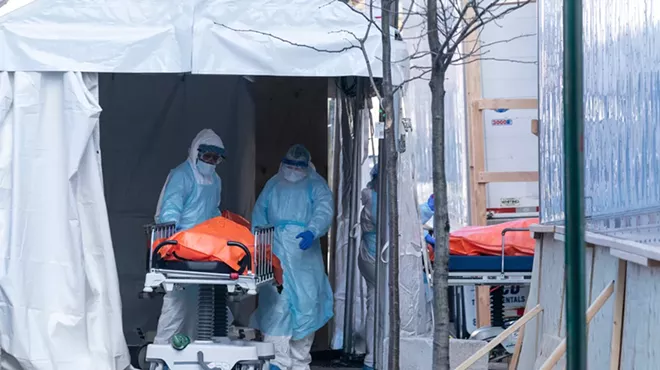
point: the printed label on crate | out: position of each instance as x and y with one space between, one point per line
502 122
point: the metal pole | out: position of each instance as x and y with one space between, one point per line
353 222
576 334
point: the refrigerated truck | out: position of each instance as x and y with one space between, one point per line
509 70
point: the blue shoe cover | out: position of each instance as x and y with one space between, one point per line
367 368
274 367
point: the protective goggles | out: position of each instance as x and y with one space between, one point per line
211 154
292 163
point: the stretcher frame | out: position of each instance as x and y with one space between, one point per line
485 278
202 354
259 272
502 277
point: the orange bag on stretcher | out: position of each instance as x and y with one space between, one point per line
211 241
487 240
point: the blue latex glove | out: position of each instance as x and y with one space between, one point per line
274 367
307 238
431 202
430 239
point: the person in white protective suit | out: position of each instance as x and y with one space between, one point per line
367 258
298 203
190 196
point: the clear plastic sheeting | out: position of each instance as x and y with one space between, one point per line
60 305
341 263
622 110
359 294
417 107
415 307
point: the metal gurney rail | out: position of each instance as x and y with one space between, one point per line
491 270
256 268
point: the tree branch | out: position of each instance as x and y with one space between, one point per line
291 42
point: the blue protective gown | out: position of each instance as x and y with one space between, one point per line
189 198
306 302
186 202
425 213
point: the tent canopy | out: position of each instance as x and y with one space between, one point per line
313 38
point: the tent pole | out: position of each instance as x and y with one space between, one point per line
574 186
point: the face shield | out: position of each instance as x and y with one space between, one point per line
294 170
210 154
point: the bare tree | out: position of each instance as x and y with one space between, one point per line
449 25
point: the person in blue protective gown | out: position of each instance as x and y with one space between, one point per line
367 258
426 211
298 203
191 195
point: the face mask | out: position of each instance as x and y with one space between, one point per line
293 175
205 169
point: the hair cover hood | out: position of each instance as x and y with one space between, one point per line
207 137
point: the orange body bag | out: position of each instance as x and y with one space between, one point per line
487 240
215 241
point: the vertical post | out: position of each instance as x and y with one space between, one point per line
576 333
476 157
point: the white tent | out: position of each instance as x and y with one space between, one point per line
160 71
222 37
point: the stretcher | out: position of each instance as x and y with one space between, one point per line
212 348
476 259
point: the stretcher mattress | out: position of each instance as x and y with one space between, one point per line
483 264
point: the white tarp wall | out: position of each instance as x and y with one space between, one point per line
59 298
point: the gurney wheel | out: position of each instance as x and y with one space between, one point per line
156 366
142 358
249 365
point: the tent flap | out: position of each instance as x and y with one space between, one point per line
59 297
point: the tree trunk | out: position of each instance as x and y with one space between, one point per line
392 188
440 223
440 216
